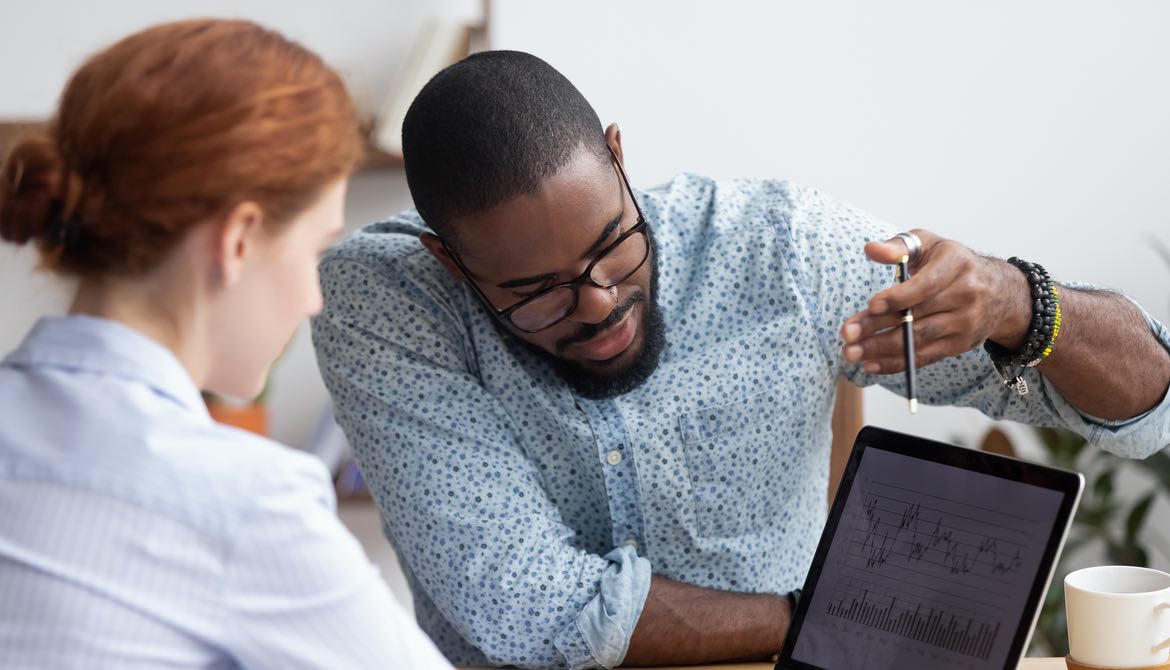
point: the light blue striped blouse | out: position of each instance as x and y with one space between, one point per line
136 532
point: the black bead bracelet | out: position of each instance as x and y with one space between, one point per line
1042 331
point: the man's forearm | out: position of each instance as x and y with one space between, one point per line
1106 362
685 624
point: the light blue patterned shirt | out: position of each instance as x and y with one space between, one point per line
529 520
137 533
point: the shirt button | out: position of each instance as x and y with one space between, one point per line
614 457
631 542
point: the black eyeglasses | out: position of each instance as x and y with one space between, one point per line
610 267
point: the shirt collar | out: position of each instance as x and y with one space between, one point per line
86 343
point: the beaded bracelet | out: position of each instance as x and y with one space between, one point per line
1042 331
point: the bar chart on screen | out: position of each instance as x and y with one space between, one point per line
951 628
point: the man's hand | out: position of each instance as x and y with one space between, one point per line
1106 361
958 298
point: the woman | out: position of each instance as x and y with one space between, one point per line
190 179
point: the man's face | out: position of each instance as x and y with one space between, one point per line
611 341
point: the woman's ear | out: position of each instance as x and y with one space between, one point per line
613 137
236 241
439 251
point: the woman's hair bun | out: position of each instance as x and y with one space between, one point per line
30 183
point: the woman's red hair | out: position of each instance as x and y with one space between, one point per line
171 127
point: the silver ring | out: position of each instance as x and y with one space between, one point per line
913 245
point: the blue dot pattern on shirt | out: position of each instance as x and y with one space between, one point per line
527 519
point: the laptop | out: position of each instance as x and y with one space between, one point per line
934 556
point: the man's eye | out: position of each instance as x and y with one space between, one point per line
529 294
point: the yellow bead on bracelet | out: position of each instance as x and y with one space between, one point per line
1055 324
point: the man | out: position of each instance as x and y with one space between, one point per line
597 421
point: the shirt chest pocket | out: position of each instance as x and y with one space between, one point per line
735 456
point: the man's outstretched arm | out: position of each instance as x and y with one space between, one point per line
1106 361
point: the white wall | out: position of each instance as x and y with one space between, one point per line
1035 128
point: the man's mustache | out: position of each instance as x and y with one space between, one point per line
590 330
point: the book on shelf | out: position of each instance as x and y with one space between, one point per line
440 43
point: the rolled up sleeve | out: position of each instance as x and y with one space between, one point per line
600 633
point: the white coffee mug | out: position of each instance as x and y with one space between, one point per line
1118 616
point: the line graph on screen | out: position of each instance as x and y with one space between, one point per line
930 568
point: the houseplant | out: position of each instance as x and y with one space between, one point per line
1113 523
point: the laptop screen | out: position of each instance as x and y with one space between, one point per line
931 563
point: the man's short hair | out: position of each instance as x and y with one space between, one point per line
491 128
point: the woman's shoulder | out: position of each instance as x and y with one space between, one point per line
244 472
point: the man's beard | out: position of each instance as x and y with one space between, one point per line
595 385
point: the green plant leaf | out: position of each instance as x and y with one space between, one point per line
1103 487
1126 554
1096 516
1137 517
1052 626
1064 446
1048 438
1157 464
1102 456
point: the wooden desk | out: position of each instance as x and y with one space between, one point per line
1026 664
1042 664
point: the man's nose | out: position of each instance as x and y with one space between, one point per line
594 304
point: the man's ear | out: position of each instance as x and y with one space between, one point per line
236 241
613 137
439 251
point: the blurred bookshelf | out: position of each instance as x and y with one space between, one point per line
376 159
438 44
11 131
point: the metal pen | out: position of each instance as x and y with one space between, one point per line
902 275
